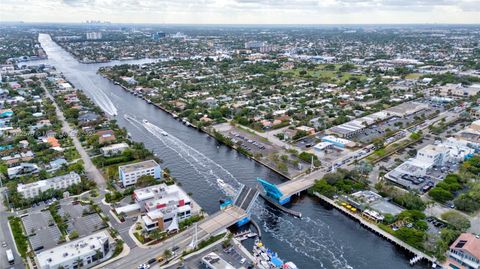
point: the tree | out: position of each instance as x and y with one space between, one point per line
412 237
145 181
440 195
410 201
457 220
167 254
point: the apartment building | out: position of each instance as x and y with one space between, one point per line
34 189
131 172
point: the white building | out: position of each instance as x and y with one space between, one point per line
131 172
114 149
432 156
34 189
81 253
94 35
164 205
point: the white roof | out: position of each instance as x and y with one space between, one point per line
52 258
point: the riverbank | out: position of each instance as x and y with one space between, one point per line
419 255
204 130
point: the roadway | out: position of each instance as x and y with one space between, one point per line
6 236
306 181
210 226
90 169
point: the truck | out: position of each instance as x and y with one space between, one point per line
10 258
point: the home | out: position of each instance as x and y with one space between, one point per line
22 170
306 129
464 253
105 136
6 113
88 117
113 149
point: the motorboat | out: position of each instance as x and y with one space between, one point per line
145 121
269 259
164 133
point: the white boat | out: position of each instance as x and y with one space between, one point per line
145 121
268 258
290 265
164 133
229 190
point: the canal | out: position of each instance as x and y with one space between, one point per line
323 238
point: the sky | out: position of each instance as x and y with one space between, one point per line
244 11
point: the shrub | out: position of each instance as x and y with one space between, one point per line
457 220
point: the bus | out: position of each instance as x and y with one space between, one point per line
10 258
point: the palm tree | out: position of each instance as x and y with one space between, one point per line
79 262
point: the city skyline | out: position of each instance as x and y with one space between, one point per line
245 11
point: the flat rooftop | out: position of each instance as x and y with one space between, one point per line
75 248
138 166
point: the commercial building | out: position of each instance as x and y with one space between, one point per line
464 253
81 253
417 170
164 206
459 90
356 126
113 149
34 189
322 146
338 142
131 172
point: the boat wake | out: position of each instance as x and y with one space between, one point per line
100 98
305 236
213 173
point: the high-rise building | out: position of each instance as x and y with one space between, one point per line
94 35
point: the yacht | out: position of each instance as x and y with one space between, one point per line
268 259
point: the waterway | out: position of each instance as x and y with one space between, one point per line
323 238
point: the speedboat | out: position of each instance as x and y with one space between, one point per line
145 121
164 133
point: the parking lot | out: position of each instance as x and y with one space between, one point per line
233 255
42 231
81 219
393 124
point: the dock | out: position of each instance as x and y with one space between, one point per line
419 255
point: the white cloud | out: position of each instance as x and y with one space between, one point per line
244 11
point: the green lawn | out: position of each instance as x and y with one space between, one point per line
321 73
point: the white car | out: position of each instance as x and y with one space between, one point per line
143 266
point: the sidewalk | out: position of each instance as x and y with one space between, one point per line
124 253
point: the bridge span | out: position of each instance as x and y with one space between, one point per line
283 192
